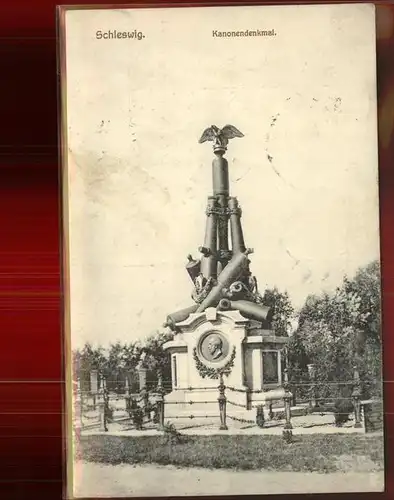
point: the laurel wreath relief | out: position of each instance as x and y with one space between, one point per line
213 373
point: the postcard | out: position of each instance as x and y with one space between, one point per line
221 250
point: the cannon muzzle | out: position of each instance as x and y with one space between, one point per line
249 310
178 316
193 267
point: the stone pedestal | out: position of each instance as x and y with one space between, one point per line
207 342
142 375
221 340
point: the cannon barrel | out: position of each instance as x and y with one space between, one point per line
237 237
248 309
224 305
209 249
220 177
193 267
230 273
223 246
178 316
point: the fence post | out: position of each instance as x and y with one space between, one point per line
248 398
270 411
94 386
287 429
295 379
160 406
356 395
106 397
144 395
144 398
222 403
103 413
312 390
80 407
127 394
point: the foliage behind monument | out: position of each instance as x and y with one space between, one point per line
340 331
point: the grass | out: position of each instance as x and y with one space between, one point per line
308 453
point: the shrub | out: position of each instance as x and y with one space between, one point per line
156 415
109 413
172 435
136 414
342 410
260 416
287 436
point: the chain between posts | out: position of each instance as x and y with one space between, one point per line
102 401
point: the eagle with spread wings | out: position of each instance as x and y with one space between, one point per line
220 137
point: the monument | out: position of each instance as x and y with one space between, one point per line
227 332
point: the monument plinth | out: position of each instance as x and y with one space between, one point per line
227 331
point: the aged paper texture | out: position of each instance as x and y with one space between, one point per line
247 372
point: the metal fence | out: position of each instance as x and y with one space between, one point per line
225 403
97 411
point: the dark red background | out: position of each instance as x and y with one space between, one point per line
31 352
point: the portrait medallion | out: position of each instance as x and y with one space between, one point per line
213 347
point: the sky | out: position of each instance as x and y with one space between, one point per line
305 172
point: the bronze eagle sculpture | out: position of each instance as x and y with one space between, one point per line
220 137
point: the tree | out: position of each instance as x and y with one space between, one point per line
283 310
129 359
155 358
113 366
130 355
339 331
87 359
366 284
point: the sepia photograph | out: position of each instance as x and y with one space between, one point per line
221 250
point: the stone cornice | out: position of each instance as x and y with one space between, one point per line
266 339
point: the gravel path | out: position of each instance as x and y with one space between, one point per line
149 480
